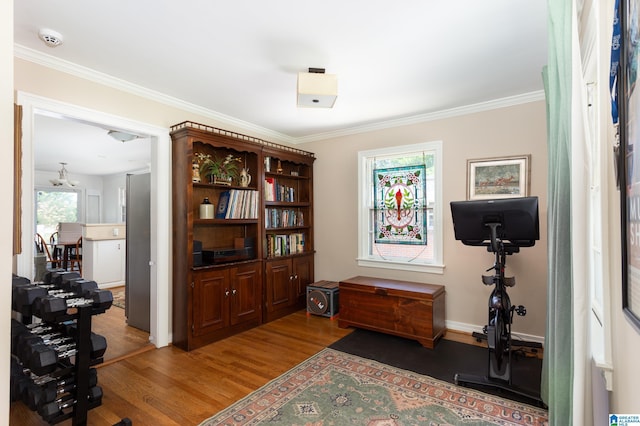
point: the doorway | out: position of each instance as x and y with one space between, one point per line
160 198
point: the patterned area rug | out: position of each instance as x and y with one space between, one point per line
335 388
119 299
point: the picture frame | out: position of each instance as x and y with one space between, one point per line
498 177
628 160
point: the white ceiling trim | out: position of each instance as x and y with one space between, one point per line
49 61
430 116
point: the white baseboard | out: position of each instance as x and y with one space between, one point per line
470 328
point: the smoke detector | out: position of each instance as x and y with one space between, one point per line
50 38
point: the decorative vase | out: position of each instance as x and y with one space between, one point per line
245 178
195 171
206 209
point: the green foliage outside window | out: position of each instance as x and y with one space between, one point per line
53 207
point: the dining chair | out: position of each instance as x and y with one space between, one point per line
75 256
43 248
56 251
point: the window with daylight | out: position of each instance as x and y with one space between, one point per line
400 207
52 206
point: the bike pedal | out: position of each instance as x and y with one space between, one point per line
487 279
509 281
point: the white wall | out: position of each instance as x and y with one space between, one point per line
110 203
501 132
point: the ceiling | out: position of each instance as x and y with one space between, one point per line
237 61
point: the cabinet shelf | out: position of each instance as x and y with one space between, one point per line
282 175
225 221
286 204
222 187
286 228
225 265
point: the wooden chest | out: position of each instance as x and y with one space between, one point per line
405 309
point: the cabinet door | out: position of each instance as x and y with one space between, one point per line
303 276
278 284
246 293
210 301
105 261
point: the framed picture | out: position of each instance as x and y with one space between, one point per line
502 177
628 94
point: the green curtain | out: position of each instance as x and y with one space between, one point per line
557 370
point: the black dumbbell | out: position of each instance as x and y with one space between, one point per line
25 335
27 342
44 358
23 296
54 409
52 307
37 395
19 379
52 275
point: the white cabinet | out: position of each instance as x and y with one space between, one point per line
103 261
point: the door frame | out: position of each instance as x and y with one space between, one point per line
160 262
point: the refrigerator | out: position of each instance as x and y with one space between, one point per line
138 253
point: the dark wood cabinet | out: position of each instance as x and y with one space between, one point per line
226 300
221 264
286 282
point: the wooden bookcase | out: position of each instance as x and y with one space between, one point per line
224 280
288 195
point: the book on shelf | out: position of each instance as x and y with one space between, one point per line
242 204
223 205
269 189
274 191
285 244
283 218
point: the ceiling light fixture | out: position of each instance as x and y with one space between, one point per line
63 178
50 38
317 89
122 136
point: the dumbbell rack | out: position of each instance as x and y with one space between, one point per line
81 317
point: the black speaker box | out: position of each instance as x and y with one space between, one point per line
322 298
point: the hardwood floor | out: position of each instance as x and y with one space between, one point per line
168 386
121 339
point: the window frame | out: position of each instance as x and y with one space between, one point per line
79 202
365 194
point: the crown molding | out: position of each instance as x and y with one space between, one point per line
49 61
431 116
62 65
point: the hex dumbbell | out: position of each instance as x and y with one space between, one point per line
55 408
37 395
44 358
18 380
52 307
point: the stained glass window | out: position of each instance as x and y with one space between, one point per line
400 205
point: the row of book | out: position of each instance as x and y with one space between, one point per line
238 204
282 218
285 244
273 191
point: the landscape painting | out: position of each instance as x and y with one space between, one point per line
504 177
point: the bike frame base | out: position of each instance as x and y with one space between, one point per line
464 379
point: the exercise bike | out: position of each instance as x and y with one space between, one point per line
503 226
